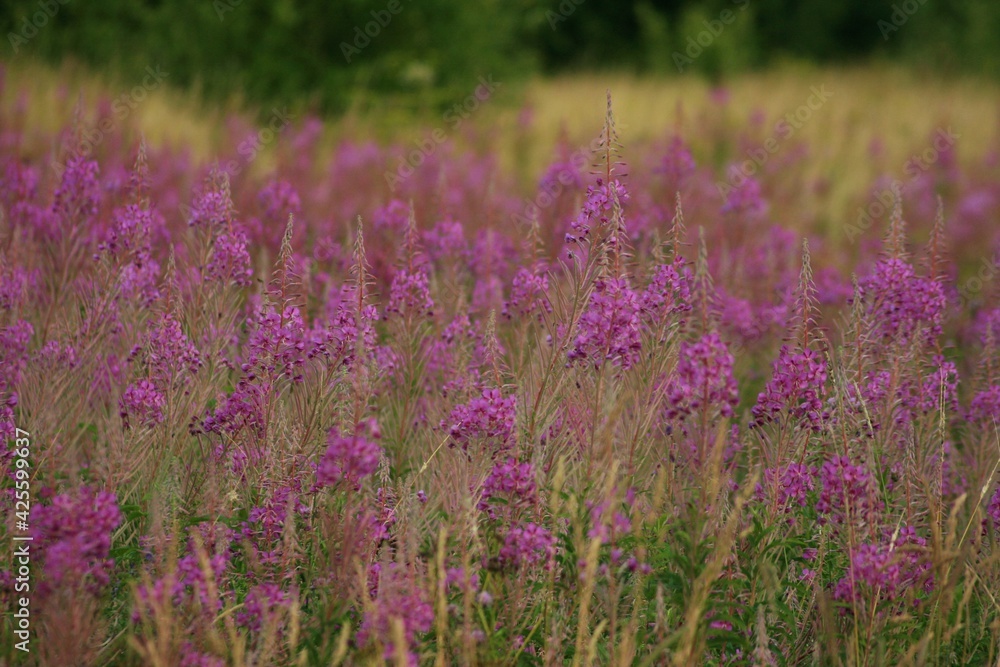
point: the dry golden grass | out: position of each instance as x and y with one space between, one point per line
899 108
167 116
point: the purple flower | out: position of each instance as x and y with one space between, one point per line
262 604
668 294
677 165
212 209
187 585
985 407
13 353
487 292
938 390
993 510
488 418
275 351
597 209
606 521
901 302
987 325
874 390
797 387
528 294
73 534
527 544
230 260
513 481
14 283
609 328
8 427
393 217
167 351
78 194
410 293
279 200
703 379
847 492
192 657
18 190
460 580
445 240
559 174
397 598
743 195
337 341
143 401
128 244
264 529
886 569
792 484
133 225
350 458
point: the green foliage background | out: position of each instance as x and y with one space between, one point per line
434 50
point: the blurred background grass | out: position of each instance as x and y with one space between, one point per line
897 72
430 51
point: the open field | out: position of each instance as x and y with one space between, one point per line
665 376
892 109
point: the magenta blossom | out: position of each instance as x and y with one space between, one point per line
73 534
609 328
350 458
487 418
703 379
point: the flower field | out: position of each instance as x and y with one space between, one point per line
383 403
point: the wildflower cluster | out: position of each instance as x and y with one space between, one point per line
281 417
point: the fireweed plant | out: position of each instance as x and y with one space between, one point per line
294 419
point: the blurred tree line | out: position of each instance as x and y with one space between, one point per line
328 54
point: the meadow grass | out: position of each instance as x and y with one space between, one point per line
523 404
